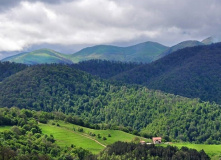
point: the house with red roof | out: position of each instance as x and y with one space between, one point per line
157 140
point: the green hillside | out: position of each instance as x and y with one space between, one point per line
212 39
67 134
7 69
192 72
143 52
103 68
65 89
40 56
181 45
55 127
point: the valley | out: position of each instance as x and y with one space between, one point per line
85 109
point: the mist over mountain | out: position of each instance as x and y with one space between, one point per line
40 56
140 53
181 45
143 52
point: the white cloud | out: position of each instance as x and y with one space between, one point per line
107 22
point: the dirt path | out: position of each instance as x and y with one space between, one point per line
86 136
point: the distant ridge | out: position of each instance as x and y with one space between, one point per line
191 72
181 45
212 39
140 53
144 52
40 56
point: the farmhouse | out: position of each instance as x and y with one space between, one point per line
156 140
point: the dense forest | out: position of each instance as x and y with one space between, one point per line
132 151
7 69
25 141
103 68
191 72
65 89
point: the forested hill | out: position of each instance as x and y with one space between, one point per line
191 72
40 56
143 52
181 45
63 88
7 69
103 68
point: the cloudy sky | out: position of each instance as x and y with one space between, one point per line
69 25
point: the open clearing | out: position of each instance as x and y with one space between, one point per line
67 134
214 151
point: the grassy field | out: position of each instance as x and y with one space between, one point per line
3 128
65 136
116 135
214 151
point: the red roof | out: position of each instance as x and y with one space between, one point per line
156 138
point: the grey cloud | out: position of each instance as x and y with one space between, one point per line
124 22
7 4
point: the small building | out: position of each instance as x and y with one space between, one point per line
142 142
157 140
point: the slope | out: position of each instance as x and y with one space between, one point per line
67 134
212 39
7 69
143 52
191 72
40 56
63 88
180 45
103 68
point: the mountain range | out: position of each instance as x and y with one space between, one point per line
62 88
144 52
40 56
191 72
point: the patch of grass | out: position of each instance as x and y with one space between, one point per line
66 137
116 135
67 134
4 128
214 151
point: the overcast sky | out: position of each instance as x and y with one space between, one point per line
79 23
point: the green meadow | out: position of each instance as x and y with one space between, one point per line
116 135
214 151
3 128
65 137
67 134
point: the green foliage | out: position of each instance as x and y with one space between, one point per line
130 151
191 72
41 56
103 68
128 108
144 52
211 150
104 138
25 139
7 69
181 45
